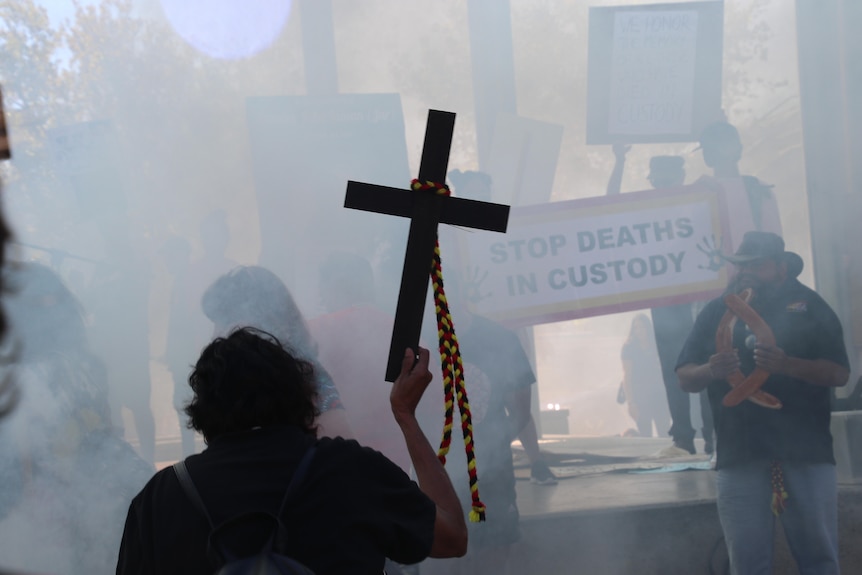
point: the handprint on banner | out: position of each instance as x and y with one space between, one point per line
473 279
712 251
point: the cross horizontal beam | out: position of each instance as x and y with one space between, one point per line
454 211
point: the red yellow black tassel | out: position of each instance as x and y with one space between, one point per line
454 388
779 492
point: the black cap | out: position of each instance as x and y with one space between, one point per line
719 134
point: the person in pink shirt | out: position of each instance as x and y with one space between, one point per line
353 346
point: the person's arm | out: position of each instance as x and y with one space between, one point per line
693 372
450 530
529 438
694 377
517 402
615 182
770 217
814 371
132 560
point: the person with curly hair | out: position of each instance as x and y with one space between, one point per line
642 387
255 402
253 296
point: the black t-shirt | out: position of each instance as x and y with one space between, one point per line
354 508
805 327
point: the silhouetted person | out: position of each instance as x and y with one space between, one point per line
642 386
188 329
499 378
118 298
477 186
615 181
252 296
671 324
182 337
254 402
773 462
751 204
68 472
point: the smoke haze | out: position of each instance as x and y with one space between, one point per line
128 136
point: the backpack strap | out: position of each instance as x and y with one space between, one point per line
190 489
298 477
195 497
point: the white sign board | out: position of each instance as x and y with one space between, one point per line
652 78
654 71
581 258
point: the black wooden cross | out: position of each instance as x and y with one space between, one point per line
425 210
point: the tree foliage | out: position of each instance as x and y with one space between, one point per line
106 64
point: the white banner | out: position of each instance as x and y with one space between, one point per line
581 258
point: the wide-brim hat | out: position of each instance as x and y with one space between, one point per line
766 245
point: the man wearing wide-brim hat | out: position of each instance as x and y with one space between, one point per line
773 462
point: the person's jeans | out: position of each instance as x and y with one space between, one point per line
810 519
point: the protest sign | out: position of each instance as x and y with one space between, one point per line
582 258
654 72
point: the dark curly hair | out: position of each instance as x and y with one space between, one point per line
248 380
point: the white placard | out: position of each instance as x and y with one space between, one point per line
653 72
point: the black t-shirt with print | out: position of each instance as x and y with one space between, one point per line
805 327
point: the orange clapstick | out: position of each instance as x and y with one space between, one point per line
745 387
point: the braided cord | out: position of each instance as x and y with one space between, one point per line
453 372
779 491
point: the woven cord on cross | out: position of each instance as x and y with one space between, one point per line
779 491
454 387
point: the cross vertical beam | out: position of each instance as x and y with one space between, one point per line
420 241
